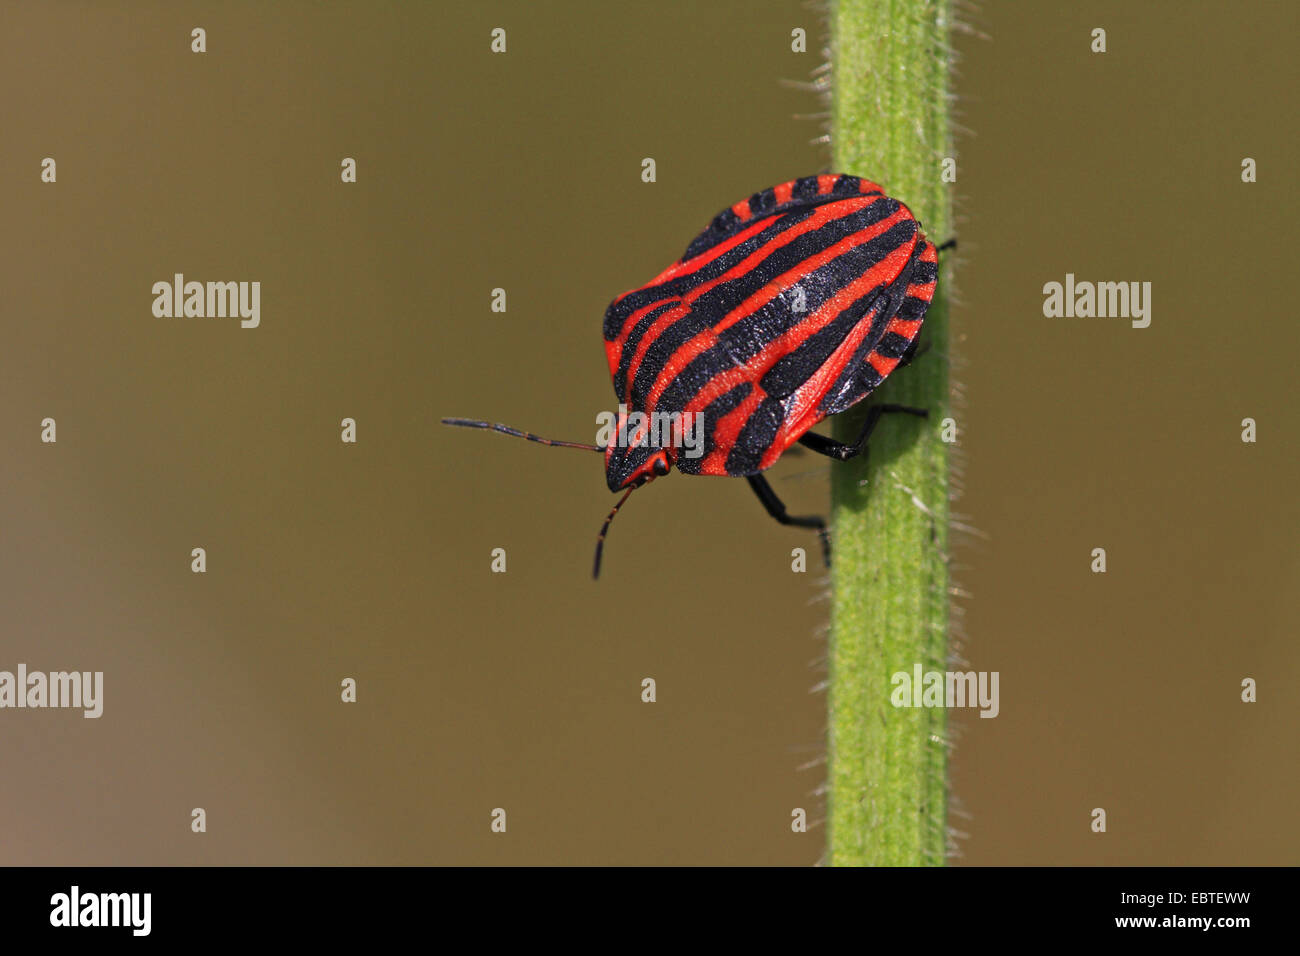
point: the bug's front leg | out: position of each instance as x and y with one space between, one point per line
842 452
776 508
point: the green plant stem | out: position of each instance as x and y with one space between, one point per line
888 765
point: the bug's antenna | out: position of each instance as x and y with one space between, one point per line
600 538
507 430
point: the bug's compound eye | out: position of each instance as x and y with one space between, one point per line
661 466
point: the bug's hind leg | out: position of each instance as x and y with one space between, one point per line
776 508
842 452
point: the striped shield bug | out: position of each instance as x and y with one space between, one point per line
791 306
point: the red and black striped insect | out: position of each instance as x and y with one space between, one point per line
793 305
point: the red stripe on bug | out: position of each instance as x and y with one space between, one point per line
825 184
822 216
647 340
803 403
685 267
783 192
801 409
741 209
907 328
882 364
727 430
795 336
830 309
614 349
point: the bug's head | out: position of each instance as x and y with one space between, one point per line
631 457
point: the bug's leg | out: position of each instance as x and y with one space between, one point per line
842 452
950 244
914 351
776 508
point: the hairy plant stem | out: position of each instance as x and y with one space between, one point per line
888 765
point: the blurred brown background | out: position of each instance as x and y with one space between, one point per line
522 171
